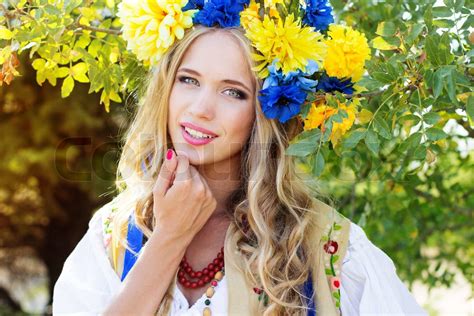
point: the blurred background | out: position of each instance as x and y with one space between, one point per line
58 158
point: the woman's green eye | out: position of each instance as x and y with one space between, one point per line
236 94
190 80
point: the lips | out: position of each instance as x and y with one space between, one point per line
198 128
195 141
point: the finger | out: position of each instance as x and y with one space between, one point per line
182 170
165 177
197 177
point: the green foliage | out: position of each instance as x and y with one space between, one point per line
75 40
409 183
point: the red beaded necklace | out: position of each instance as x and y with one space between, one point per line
204 276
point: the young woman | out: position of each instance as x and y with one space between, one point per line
212 216
201 191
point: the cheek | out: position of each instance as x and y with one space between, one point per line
174 105
240 128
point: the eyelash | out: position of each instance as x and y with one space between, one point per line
240 95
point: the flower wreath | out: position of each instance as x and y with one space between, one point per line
300 52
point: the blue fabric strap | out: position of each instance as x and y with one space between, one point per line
309 293
134 239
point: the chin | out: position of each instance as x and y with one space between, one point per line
194 157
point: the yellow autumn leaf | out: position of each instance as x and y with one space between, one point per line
365 116
115 97
67 87
110 3
381 44
114 55
79 72
104 98
5 33
62 72
359 89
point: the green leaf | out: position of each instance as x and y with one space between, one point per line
306 143
434 134
413 33
353 138
382 127
431 45
386 29
443 23
438 49
67 87
372 142
438 83
335 258
70 5
419 153
306 107
451 86
428 17
318 164
411 142
409 117
470 110
442 12
431 118
52 10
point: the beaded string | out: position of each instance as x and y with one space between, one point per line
210 292
213 273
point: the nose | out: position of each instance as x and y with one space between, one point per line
204 106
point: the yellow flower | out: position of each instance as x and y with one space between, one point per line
150 27
347 52
249 14
320 112
287 41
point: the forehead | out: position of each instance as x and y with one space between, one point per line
218 55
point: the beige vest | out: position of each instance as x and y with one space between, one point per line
330 233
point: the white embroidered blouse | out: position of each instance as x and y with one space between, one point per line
369 283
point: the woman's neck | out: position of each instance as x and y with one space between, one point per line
223 178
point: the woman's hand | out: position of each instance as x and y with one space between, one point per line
181 206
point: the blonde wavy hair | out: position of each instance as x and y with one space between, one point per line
270 213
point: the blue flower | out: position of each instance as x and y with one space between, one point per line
282 102
318 14
330 84
223 13
298 78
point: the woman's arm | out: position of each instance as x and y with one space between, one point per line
148 280
370 284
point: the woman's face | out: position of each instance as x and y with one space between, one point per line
213 93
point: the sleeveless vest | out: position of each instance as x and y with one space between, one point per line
329 234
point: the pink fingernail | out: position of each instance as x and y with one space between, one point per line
169 154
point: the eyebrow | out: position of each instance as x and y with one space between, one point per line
231 81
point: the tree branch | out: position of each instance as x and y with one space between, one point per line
97 29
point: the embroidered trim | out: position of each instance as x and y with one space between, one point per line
107 227
261 295
331 248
